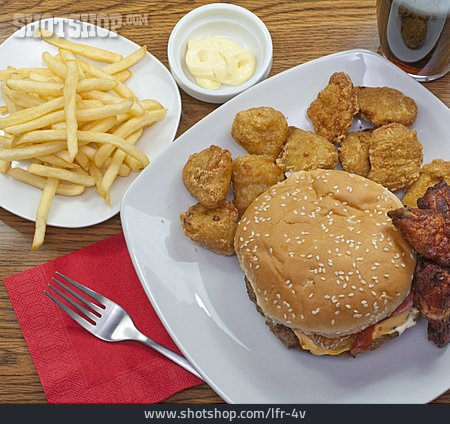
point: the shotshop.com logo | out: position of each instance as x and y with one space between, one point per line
79 25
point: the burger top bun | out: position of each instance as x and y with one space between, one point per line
321 254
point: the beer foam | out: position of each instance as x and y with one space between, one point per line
437 8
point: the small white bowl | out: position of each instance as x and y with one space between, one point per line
227 20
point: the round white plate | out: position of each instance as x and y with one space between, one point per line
150 80
201 298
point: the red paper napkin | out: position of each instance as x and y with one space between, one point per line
73 365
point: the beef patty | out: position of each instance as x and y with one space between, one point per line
287 336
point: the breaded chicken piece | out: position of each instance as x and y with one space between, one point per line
432 298
436 197
252 175
305 151
332 112
212 228
384 105
427 230
354 152
207 175
260 131
395 156
431 173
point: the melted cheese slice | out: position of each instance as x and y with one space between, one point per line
398 323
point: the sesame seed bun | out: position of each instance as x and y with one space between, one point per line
321 254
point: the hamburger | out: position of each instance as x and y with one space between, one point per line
324 264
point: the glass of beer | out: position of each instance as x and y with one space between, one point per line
415 35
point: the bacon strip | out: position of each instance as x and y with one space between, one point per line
406 304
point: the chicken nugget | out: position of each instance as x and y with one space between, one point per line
305 151
252 175
431 173
395 156
354 152
332 112
385 105
212 228
207 175
260 131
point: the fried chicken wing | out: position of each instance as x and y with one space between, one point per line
432 298
427 230
385 105
212 228
395 156
260 131
305 151
354 152
436 197
252 175
332 112
207 175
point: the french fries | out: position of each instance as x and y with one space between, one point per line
70 107
32 151
62 174
126 63
81 49
31 113
125 130
63 189
75 121
48 193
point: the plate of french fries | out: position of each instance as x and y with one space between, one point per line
79 119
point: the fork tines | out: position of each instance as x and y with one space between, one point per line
89 313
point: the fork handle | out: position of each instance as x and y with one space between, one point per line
178 359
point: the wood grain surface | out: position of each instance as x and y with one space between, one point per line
301 31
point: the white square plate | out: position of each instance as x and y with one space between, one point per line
201 298
150 80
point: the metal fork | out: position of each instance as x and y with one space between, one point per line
109 321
